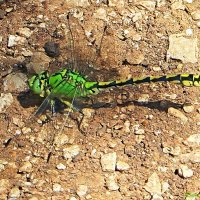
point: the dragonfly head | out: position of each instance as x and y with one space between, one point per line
38 83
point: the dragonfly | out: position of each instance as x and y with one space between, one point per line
67 85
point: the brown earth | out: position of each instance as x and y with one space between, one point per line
144 135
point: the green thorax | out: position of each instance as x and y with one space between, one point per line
69 84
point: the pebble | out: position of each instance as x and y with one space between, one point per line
57 187
188 108
100 13
1 38
185 172
72 198
157 197
26 130
14 40
4 185
144 98
60 166
61 139
52 49
116 3
71 152
14 193
176 113
193 157
15 82
2 167
194 139
153 185
39 62
122 166
149 5
196 15
108 161
139 132
189 32
178 5
111 183
25 32
175 151
82 190
182 48
26 53
26 167
5 101
165 187
2 14
80 3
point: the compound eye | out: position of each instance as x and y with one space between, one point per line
34 84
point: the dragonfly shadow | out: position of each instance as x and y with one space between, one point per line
162 105
28 99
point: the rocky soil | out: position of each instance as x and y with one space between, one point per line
136 142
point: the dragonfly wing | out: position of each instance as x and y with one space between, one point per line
43 106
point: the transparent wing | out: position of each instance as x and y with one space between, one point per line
54 94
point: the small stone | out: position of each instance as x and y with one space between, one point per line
61 139
14 40
116 3
25 32
52 49
196 15
2 14
157 197
139 131
149 5
61 166
71 152
1 38
57 187
108 161
175 151
188 108
82 190
182 48
8 10
2 167
165 187
75 3
193 157
111 183
14 193
27 53
194 139
15 82
122 166
101 13
72 198
39 62
178 5
5 101
144 98
188 1
26 167
189 32
185 172
4 186
153 186
176 113
26 130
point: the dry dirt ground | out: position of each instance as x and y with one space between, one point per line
135 142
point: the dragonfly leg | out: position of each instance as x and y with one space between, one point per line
69 104
52 103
